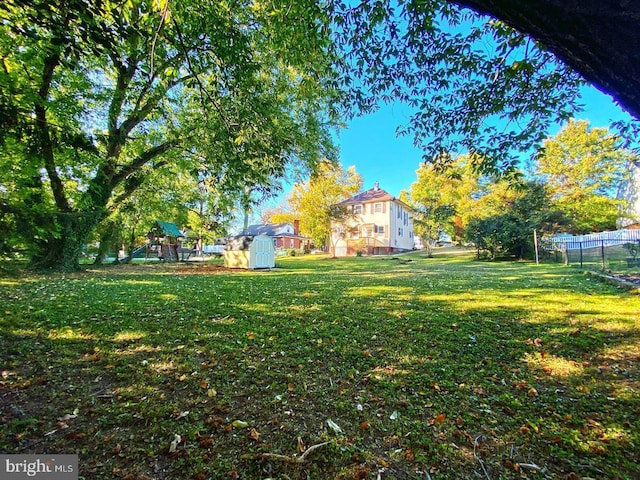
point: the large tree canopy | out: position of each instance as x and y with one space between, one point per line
476 84
598 39
95 95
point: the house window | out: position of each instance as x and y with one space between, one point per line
380 230
369 232
406 218
377 207
291 243
399 213
399 232
357 209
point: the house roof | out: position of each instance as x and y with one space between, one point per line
375 194
371 195
271 230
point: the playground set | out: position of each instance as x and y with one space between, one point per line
163 242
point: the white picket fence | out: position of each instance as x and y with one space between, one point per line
617 250
566 242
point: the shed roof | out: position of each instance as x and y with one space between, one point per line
239 242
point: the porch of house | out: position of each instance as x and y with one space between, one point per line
369 246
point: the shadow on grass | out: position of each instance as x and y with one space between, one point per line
426 366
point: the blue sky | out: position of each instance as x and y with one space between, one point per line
371 145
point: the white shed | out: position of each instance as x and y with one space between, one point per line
250 252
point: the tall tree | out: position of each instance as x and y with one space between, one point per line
507 215
313 200
95 95
584 168
444 198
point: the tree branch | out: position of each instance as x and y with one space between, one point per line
139 114
125 75
140 161
202 89
45 145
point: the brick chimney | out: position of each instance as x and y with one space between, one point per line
296 227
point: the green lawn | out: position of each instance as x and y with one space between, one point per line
440 368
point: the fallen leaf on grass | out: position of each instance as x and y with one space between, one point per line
174 443
520 385
76 436
206 442
438 419
334 426
301 445
254 434
240 424
537 342
364 425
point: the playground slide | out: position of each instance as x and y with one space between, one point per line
139 250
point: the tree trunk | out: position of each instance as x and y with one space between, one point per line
132 245
61 249
107 234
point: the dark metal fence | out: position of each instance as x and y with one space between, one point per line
617 251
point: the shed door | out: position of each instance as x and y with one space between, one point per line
263 252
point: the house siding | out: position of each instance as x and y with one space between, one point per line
393 217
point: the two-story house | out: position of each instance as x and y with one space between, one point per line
379 224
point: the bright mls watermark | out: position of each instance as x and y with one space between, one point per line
49 467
